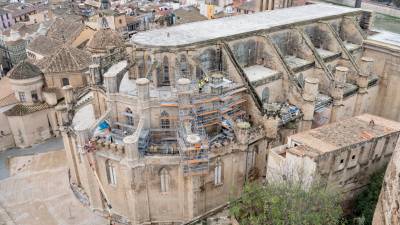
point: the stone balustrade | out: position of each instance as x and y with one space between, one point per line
256 133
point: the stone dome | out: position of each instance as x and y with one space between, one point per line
24 70
105 38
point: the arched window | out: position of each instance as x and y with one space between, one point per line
218 172
199 73
34 95
164 120
209 60
110 170
252 52
129 117
165 75
65 82
184 66
265 95
148 64
300 80
164 180
141 68
241 54
254 156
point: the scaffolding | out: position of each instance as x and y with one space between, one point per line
207 111
231 107
144 141
206 115
191 135
163 139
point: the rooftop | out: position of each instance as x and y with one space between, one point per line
23 29
188 15
104 38
66 59
258 73
84 118
8 101
5 87
248 5
116 68
19 8
24 70
44 45
65 29
386 37
22 110
196 32
347 132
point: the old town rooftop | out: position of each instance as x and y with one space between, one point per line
201 31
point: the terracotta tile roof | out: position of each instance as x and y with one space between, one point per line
8 100
24 70
188 15
22 110
64 29
248 5
23 29
346 132
66 59
44 45
104 38
5 87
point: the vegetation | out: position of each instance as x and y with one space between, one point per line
366 201
287 204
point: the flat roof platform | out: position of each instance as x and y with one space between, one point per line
191 33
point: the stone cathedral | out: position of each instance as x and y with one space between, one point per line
186 117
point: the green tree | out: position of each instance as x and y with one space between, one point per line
287 204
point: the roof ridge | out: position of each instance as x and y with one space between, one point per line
74 60
24 70
67 58
52 58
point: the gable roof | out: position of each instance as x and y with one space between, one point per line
346 133
64 29
24 70
66 59
44 45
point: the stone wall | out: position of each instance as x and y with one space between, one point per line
30 129
6 137
387 210
387 59
138 195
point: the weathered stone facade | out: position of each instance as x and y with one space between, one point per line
387 211
177 128
344 153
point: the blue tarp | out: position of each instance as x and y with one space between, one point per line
103 125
